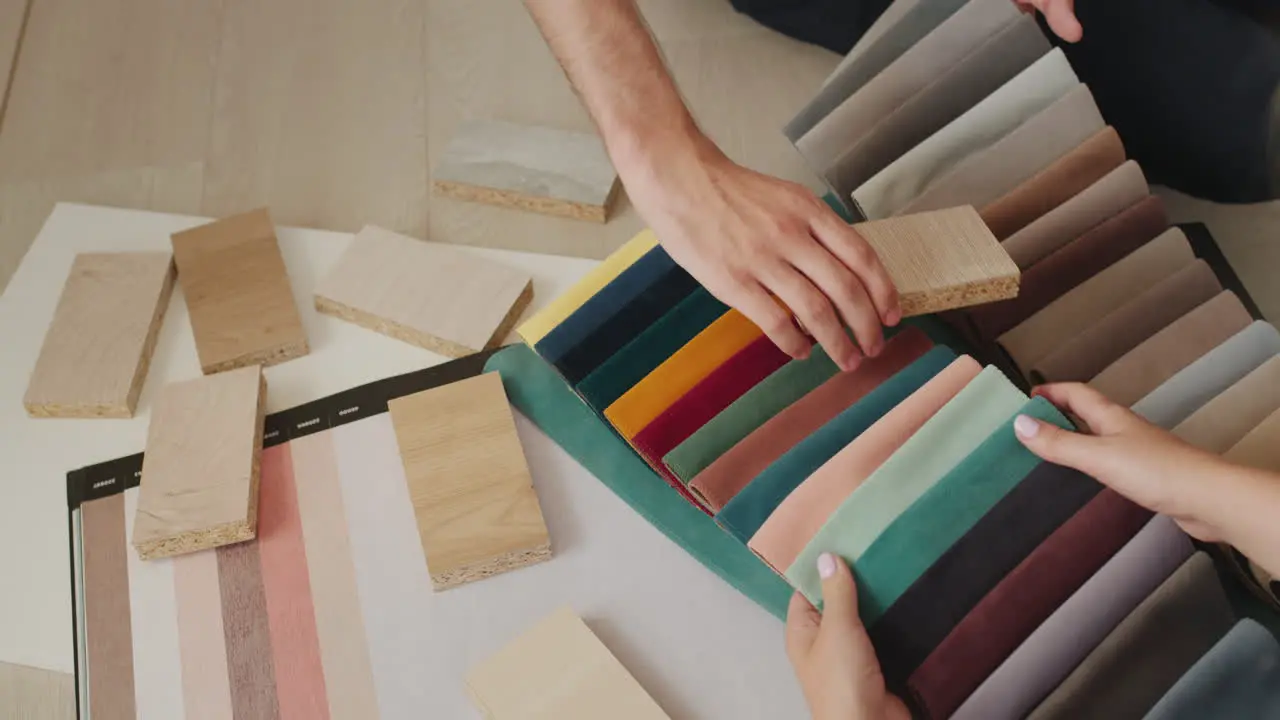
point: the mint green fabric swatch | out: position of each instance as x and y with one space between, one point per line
944 513
772 395
650 349
748 510
977 411
542 396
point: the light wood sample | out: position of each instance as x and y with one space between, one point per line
95 356
441 298
238 293
532 168
28 693
559 670
477 512
200 470
942 260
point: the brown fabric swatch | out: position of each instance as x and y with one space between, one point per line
244 622
1099 202
1073 313
1054 185
1226 419
1128 673
1145 367
1089 353
1072 264
106 608
724 478
1022 600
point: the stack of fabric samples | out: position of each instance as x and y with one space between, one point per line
950 102
993 584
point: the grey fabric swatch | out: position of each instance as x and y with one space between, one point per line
1238 679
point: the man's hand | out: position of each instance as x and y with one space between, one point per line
750 238
832 655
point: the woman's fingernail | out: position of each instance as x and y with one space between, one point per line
894 316
1025 426
826 565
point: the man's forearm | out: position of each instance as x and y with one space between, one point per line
613 63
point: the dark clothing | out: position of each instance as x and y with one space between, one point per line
1190 85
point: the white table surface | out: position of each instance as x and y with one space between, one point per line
701 648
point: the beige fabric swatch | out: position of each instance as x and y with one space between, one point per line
1224 421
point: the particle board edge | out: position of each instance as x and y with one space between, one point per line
520 201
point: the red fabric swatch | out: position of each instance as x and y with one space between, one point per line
1022 601
1071 265
708 398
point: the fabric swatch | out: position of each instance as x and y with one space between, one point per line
935 603
942 443
769 397
804 511
746 512
715 392
1071 265
1117 191
993 171
1078 309
1055 184
1082 357
563 305
1055 648
1015 607
1224 421
649 349
542 397
635 300
1259 448
248 636
1028 93
1238 678
1150 649
1220 368
1157 359
727 475
107 615
921 534
157 689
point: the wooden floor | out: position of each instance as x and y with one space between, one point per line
328 111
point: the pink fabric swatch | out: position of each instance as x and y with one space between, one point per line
794 523
206 686
300 687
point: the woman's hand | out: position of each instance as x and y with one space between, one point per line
832 654
1060 14
1125 452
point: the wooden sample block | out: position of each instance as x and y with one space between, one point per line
477 512
200 470
435 296
238 293
942 260
95 356
531 168
559 670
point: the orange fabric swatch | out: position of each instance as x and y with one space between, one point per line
678 374
794 523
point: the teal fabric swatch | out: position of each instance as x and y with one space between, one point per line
650 348
748 510
542 396
833 202
1238 678
940 445
772 395
944 513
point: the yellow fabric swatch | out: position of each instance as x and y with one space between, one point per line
677 375
559 309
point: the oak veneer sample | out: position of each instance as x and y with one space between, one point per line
1226 419
1055 184
238 293
477 512
95 356
541 169
1184 341
1079 308
201 467
942 260
558 670
437 297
